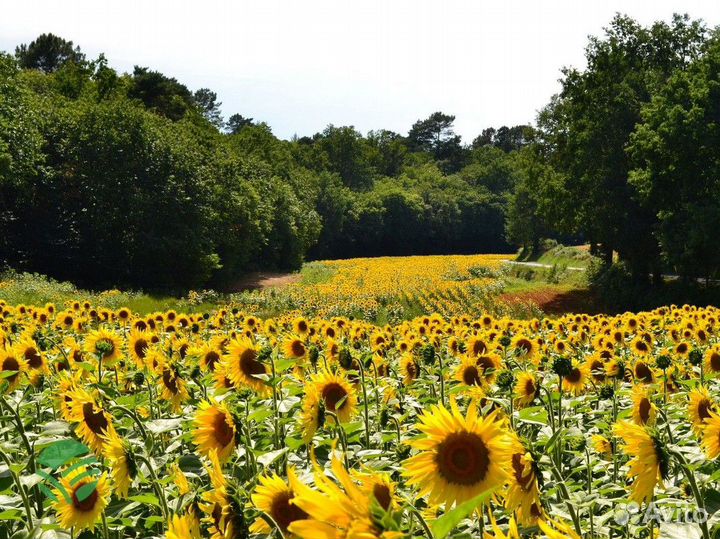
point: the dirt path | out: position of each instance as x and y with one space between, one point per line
259 280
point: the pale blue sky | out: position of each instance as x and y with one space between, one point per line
300 65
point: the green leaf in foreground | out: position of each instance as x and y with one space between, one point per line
447 523
61 452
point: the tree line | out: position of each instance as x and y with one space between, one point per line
133 179
627 154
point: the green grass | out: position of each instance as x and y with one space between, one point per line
559 255
313 273
33 289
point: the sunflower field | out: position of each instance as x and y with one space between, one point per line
387 289
224 425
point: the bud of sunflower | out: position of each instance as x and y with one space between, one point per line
321 414
577 443
428 354
235 310
462 347
384 417
345 359
562 366
313 355
195 328
505 341
206 316
663 362
139 378
695 357
196 373
607 392
264 353
505 380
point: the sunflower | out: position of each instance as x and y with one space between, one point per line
649 464
122 461
524 347
527 389
174 388
602 445
644 411
209 356
180 479
28 349
498 533
711 436
243 366
76 508
468 373
223 516
274 497
214 430
523 489
640 346
183 527
555 529
336 394
105 344
488 365
409 368
294 347
699 408
643 372
460 457
336 511
11 362
138 345
312 416
712 360
301 326
94 423
575 380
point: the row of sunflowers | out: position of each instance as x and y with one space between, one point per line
224 425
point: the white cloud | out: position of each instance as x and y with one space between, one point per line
300 65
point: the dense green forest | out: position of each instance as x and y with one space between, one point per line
136 180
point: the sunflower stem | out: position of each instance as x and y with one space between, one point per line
31 453
156 486
690 476
566 496
21 490
422 522
442 379
365 404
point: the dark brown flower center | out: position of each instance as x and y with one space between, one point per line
88 504
33 357
11 364
96 421
332 394
574 375
644 410
285 513
224 433
463 458
211 358
140 347
471 376
643 372
297 348
249 364
703 409
523 479
382 495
